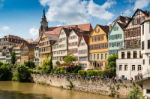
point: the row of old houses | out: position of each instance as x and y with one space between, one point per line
92 46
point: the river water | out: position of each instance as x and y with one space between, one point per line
16 90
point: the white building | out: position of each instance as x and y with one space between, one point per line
145 45
83 52
129 63
36 56
60 48
73 41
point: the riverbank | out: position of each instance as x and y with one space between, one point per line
106 87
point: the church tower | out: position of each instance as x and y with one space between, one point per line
44 24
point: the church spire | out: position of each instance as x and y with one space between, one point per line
44 23
44 16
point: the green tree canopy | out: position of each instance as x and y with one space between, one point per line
13 58
111 66
69 59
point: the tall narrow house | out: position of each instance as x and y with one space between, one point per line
116 34
98 44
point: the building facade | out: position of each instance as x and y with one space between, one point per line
98 44
145 45
116 35
129 63
83 53
60 48
133 29
132 37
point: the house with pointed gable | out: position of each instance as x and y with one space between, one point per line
98 47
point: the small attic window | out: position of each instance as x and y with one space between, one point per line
97 30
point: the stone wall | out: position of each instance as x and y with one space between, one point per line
101 86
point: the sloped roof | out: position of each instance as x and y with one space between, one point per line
145 12
56 30
104 28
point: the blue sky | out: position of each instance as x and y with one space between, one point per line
22 17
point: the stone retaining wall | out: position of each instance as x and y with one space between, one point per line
103 87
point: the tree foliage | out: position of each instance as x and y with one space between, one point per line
29 64
5 72
111 66
47 65
13 58
69 59
23 74
135 93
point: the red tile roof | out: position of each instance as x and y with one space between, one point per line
56 30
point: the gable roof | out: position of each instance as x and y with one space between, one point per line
104 28
56 30
144 12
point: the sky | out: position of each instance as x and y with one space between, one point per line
22 17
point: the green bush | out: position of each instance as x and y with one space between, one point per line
92 73
59 70
47 66
5 72
135 93
23 74
82 72
29 64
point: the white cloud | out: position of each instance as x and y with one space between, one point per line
141 4
76 11
101 11
34 32
4 30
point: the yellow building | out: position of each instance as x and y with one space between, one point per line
98 47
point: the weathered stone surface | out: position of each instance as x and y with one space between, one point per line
103 87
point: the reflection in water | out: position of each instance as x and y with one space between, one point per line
15 90
19 95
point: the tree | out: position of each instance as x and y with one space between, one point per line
111 66
69 59
29 64
135 93
23 74
47 65
5 72
13 58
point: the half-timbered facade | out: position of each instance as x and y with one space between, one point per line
133 29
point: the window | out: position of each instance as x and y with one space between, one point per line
101 56
142 45
97 56
143 29
140 54
126 67
128 55
139 67
133 67
143 61
149 26
122 55
134 54
148 44
120 67
148 91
